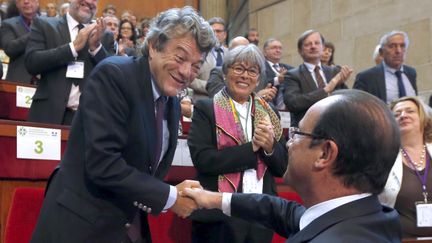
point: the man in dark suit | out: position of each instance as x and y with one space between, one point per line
14 33
336 169
123 139
275 70
391 79
64 51
311 81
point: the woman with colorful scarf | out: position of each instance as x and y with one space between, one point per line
236 145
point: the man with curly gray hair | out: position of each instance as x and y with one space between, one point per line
123 139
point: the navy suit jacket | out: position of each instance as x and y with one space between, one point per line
14 38
363 220
372 80
49 54
301 92
106 170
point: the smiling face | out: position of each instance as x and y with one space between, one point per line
126 30
174 67
273 52
83 10
240 86
408 117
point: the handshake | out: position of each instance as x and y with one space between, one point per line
191 196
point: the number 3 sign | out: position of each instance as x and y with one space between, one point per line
38 143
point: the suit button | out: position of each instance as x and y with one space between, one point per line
140 205
149 210
127 225
135 204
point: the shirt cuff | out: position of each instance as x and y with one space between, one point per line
268 154
226 203
72 47
93 53
172 197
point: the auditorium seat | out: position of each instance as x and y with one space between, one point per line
168 228
23 213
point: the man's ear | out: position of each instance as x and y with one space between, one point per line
329 153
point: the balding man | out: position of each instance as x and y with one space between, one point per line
337 179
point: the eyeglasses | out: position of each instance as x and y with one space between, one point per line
292 131
239 70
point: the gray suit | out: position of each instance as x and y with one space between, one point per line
14 37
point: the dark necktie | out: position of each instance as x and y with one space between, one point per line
160 111
318 77
219 58
401 86
278 101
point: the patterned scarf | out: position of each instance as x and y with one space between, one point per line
229 132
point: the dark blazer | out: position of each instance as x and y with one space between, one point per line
211 162
301 92
14 38
270 74
106 170
363 220
372 80
49 54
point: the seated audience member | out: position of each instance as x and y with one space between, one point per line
377 55
328 54
337 171
64 8
64 51
236 145
144 27
410 180
109 10
391 79
109 39
126 39
311 81
51 10
275 74
14 34
253 36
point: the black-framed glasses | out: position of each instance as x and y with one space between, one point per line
292 131
239 70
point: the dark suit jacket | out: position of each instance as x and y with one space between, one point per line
14 38
301 91
49 54
270 74
372 80
211 162
106 168
363 220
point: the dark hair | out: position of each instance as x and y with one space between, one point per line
133 37
305 35
367 136
330 45
217 20
110 6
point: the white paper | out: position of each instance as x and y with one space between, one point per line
182 155
424 214
24 96
38 143
285 119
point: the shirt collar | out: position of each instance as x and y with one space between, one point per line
155 90
389 69
320 209
311 67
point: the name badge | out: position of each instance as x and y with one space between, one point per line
75 70
424 214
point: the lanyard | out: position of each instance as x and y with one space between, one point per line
423 179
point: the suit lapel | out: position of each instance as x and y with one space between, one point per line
63 29
381 82
147 104
411 77
309 82
348 211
